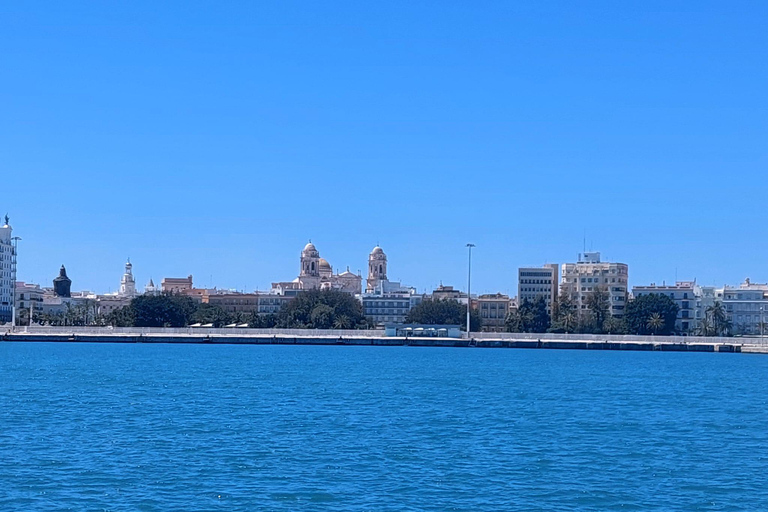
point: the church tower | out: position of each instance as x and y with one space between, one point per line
377 268
310 261
127 283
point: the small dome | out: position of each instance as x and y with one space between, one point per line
310 247
323 264
377 250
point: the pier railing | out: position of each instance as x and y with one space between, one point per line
379 333
204 331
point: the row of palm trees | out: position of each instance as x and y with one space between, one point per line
715 321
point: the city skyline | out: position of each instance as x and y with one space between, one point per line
217 140
203 280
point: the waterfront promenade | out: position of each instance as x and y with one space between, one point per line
378 338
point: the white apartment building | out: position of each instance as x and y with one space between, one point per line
746 306
686 294
29 298
582 278
7 272
535 282
389 302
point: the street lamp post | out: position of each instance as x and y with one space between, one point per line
469 288
762 308
15 240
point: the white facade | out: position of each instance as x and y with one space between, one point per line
127 283
29 297
582 278
686 294
7 272
746 306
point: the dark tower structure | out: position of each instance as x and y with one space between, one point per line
62 284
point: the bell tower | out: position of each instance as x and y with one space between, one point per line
128 283
377 268
310 261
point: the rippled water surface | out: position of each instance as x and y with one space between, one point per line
200 427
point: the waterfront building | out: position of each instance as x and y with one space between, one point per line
493 310
448 292
29 298
106 304
706 296
176 284
535 282
249 303
686 294
384 301
580 279
7 271
316 273
389 302
746 306
127 282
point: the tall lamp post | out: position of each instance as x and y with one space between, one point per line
469 287
15 241
762 308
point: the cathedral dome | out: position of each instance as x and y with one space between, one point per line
310 247
377 251
323 264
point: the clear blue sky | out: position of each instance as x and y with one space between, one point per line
215 138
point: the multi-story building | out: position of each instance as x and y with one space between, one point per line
493 310
535 282
687 296
386 302
106 304
29 298
249 303
176 284
581 279
449 292
746 306
7 271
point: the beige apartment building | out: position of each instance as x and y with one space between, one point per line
582 278
176 284
493 309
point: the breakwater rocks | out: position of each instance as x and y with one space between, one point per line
378 341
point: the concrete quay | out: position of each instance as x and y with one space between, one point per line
350 340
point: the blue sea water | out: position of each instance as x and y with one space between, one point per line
240 428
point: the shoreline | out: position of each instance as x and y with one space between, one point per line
260 339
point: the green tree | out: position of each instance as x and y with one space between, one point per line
615 325
259 321
211 314
652 314
531 316
162 310
320 309
565 317
655 323
599 307
121 317
444 312
717 317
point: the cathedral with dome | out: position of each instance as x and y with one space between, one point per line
316 273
